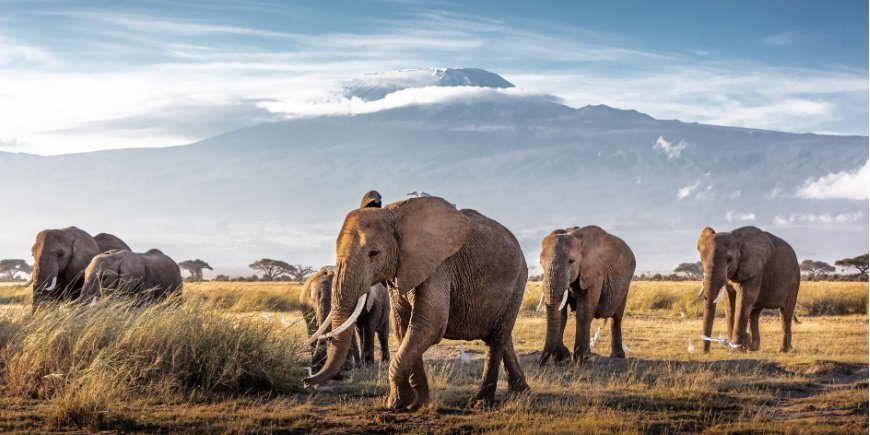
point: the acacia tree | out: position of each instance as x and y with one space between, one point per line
692 270
813 267
273 268
859 262
300 272
11 267
194 267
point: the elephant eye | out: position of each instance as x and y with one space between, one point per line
374 253
570 261
729 259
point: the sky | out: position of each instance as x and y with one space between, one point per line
84 76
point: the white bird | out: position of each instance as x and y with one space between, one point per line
625 348
691 347
719 340
682 314
94 301
463 357
595 337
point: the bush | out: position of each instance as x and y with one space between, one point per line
87 359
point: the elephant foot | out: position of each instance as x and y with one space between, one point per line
786 349
421 400
561 355
617 354
580 358
479 404
518 387
401 398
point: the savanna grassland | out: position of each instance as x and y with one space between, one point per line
229 358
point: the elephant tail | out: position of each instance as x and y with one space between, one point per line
796 319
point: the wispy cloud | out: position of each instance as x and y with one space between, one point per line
734 215
825 218
671 150
845 185
781 39
685 191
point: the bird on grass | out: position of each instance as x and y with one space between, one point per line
691 347
463 357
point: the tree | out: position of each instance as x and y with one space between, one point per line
272 269
11 267
813 267
194 267
301 272
692 270
859 262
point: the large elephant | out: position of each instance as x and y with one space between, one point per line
315 299
756 270
453 274
150 277
589 270
60 258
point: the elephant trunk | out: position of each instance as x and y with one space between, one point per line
554 333
348 287
712 288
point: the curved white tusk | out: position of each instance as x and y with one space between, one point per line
356 312
564 300
700 292
541 302
369 303
323 327
52 285
721 293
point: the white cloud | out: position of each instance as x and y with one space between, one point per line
735 194
844 184
684 192
734 215
671 150
824 218
781 39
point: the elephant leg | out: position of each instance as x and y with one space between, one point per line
561 354
755 344
353 355
516 377
729 312
786 315
368 344
616 350
494 354
587 300
384 339
420 384
745 303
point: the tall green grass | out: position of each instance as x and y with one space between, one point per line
87 359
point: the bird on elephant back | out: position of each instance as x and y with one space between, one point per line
60 258
147 277
454 274
588 270
756 270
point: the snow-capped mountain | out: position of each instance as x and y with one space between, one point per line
282 189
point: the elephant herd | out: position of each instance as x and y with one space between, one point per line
71 265
431 271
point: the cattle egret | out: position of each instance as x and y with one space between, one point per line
625 348
691 347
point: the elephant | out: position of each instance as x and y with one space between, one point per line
756 270
315 300
60 259
453 274
589 270
375 319
150 277
371 199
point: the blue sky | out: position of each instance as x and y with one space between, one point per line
80 76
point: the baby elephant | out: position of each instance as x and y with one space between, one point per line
316 301
375 318
151 276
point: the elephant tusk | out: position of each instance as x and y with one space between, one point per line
700 292
540 302
721 293
93 301
323 327
356 312
564 300
52 285
369 303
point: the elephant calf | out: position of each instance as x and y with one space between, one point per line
590 270
375 319
151 276
315 299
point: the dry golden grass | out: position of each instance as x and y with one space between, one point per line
118 375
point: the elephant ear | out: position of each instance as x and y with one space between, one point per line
429 231
706 232
755 249
589 245
83 249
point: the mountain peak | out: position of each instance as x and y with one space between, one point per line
375 86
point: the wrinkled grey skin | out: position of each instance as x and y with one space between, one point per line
316 302
758 270
453 274
375 320
597 268
65 253
149 277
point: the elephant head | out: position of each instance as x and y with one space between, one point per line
738 255
60 258
316 295
405 242
568 262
